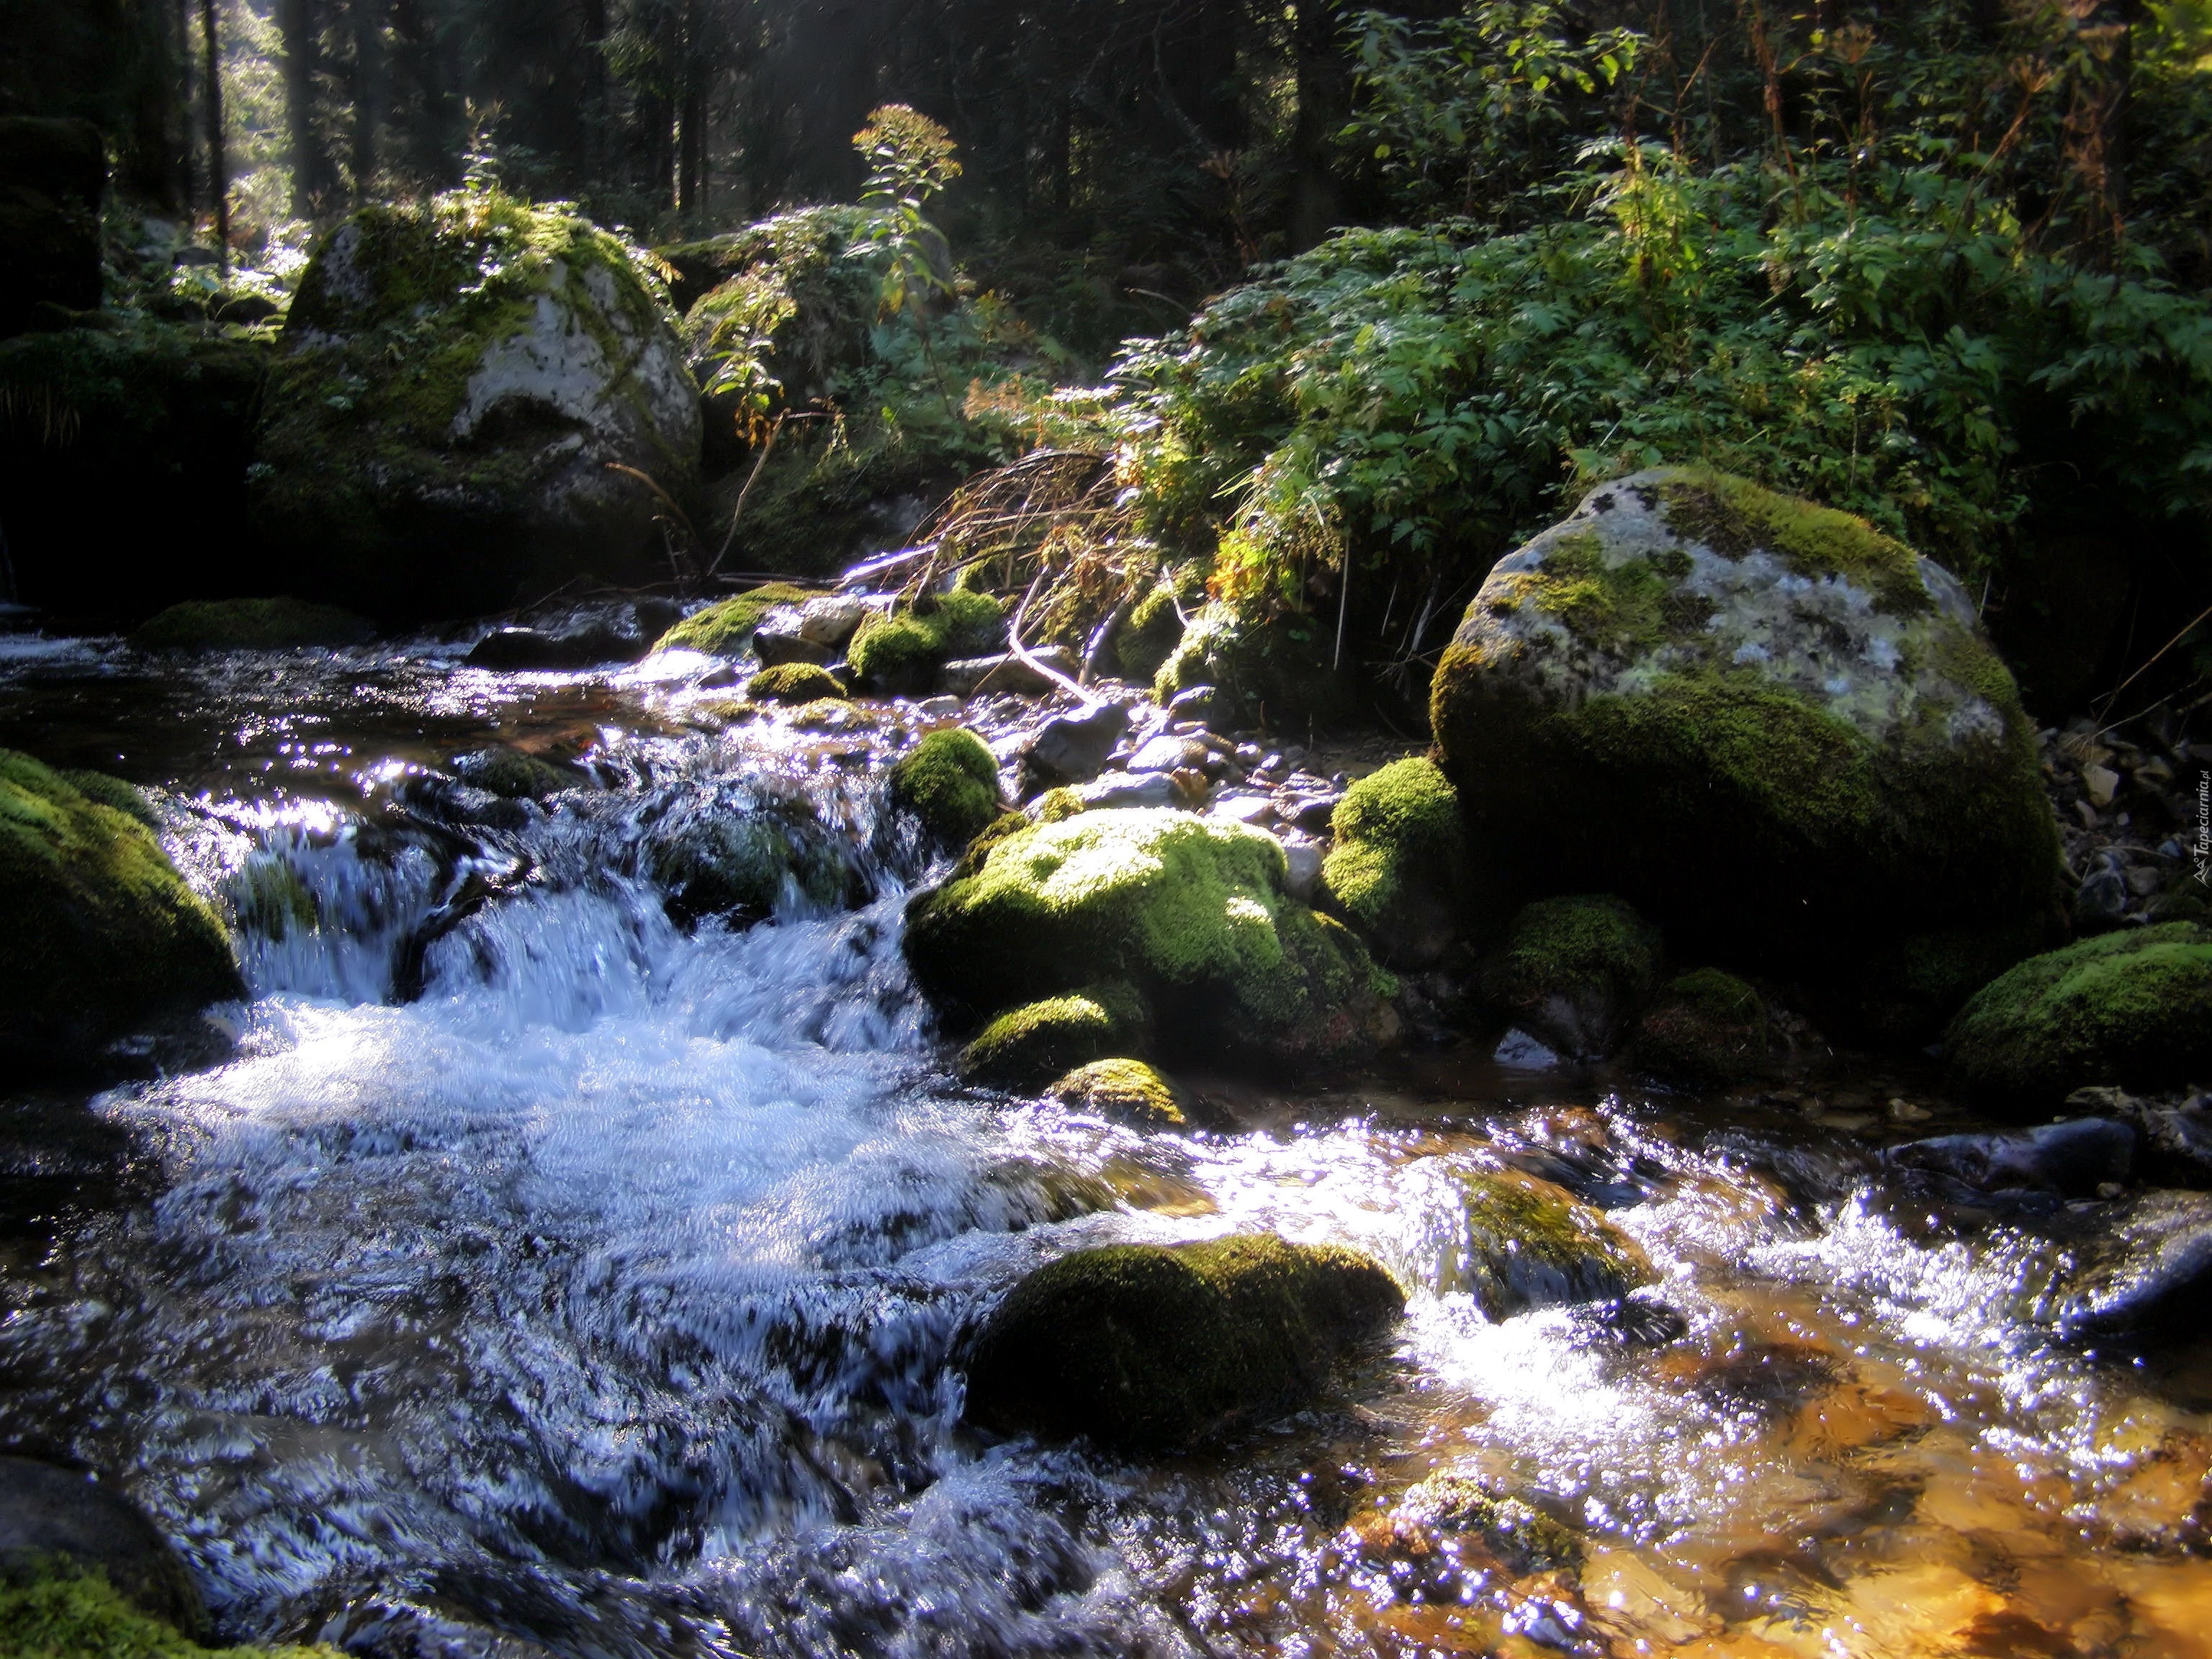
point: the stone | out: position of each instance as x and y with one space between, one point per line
2144 1275
2102 783
105 940
2100 903
588 637
794 683
2072 1159
1070 748
512 774
725 628
1166 753
53 172
1194 702
969 676
899 654
460 383
948 783
1126 1090
1315 814
2132 1009
937 708
1192 915
1158 789
780 637
1525 1243
50 1515
1255 810
829 621
1704 1028
1303 864
1774 729
1026 1046
274 624
1398 872
1574 972
736 848
1151 1347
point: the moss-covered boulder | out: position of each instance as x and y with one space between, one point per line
1398 870
1262 668
512 773
2129 1009
1705 1027
1775 730
1148 1347
1574 972
948 782
899 654
740 851
1126 1090
1192 913
1434 1524
725 628
461 382
794 683
1026 1047
105 937
1520 1242
250 625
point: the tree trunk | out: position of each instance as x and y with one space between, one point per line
1324 95
368 92
218 166
595 91
296 20
182 44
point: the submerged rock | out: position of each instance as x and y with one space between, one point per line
1705 1027
1191 914
250 625
1149 1348
734 853
461 383
1452 1525
1573 972
949 781
1126 1090
1776 731
514 774
106 940
2074 1159
794 683
2145 1275
1524 1242
1399 870
53 1519
2132 1009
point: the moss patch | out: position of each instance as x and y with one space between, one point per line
1530 1244
1574 971
1398 870
1266 669
1193 913
1734 517
508 772
1149 634
250 625
78 1616
1148 1347
2130 1009
1127 1090
950 782
794 682
725 628
1042 1040
106 936
1705 1027
901 653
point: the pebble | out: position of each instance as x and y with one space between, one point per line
1304 858
1244 809
937 708
1133 789
2103 784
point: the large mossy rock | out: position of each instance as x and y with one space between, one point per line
1192 915
948 783
725 629
459 381
1526 1243
2133 1010
1399 870
106 938
900 654
1149 1348
1776 731
1574 972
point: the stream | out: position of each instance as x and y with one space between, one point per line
536 1276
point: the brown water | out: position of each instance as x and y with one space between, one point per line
609 1293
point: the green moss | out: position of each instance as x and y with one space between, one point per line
902 653
1266 669
268 898
508 772
2131 1009
740 864
99 787
1733 516
1530 1243
1623 607
106 936
1192 912
1042 1040
1574 971
1127 1090
78 1616
250 625
950 781
1148 1347
1056 804
1705 1027
1151 633
1398 871
1460 1505
794 682
726 629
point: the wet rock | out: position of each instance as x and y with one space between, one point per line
1522 1243
948 782
1071 748
971 677
1314 814
2074 1159
459 383
737 849
1166 753
1823 757
1303 863
2100 903
1148 789
1192 913
1438 1519
52 174
250 625
781 637
794 683
51 1516
105 938
1398 872
1126 1090
2145 1275
1574 972
1705 1027
726 627
2132 1009
1148 1347
586 636
1025 1046
513 774
1255 810
2176 1147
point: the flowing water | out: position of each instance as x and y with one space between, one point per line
537 1275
